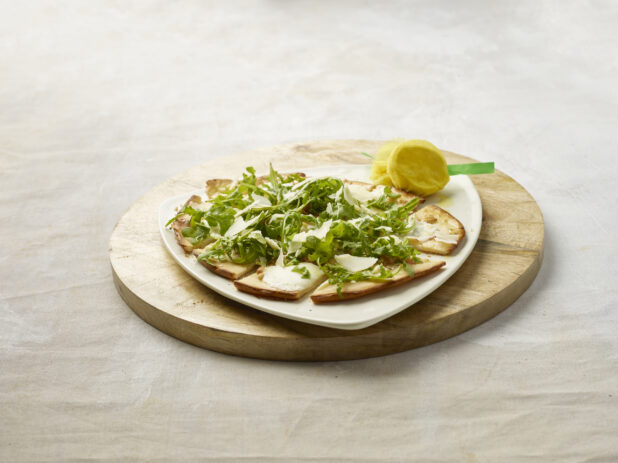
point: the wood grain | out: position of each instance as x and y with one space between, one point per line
503 264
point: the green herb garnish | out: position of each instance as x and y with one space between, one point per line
308 220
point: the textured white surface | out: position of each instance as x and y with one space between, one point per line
99 101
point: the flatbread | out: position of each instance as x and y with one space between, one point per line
183 221
253 284
245 280
216 185
447 225
328 292
228 270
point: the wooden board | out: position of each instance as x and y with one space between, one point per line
503 264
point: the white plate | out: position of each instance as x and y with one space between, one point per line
459 197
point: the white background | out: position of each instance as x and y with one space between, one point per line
100 101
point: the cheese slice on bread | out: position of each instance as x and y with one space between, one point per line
228 270
183 221
436 231
353 290
278 282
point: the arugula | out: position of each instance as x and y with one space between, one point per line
282 209
385 201
304 273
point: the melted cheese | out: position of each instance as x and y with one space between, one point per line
355 264
285 279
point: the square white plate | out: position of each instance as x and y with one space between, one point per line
459 197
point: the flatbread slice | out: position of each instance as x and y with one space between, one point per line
183 221
216 185
253 284
225 269
228 270
436 232
328 292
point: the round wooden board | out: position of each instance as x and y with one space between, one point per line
503 264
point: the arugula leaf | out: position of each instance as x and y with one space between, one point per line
304 272
173 219
220 217
385 201
197 235
338 275
409 269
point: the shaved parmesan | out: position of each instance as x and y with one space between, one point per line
272 243
354 263
203 206
257 235
361 194
300 238
347 195
424 231
239 225
261 201
285 279
258 203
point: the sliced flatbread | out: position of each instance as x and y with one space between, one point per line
228 270
253 284
216 185
177 226
437 231
436 220
328 292
225 269
183 222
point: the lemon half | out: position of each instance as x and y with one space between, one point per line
416 166
378 174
